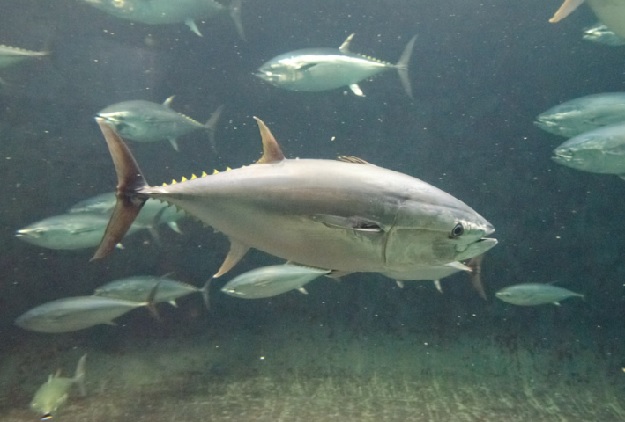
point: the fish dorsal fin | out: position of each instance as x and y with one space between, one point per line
351 159
344 48
168 101
271 149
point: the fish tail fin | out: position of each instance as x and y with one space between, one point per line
235 13
130 181
211 125
402 66
80 375
206 293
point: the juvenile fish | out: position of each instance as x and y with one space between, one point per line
79 312
138 288
597 151
55 391
580 115
601 34
272 281
323 69
532 294
145 121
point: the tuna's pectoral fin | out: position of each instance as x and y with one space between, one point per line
236 252
356 90
351 223
129 182
193 27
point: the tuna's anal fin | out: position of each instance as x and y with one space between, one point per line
211 126
236 252
271 149
79 376
355 88
193 27
129 182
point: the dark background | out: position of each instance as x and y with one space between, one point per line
481 72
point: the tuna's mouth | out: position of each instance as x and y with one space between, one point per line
562 157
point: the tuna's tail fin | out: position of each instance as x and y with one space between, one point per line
235 13
129 182
211 126
402 66
81 373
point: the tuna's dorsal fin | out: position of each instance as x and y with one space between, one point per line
271 149
173 143
344 48
351 159
236 252
168 101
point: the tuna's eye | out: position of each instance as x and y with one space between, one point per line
457 231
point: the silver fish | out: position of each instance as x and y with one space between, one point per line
145 121
580 115
272 281
598 151
152 213
54 393
323 69
164 12
531 294
77 313
137 288
12 55
337 215
601 34
70 231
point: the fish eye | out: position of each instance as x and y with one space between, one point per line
457 231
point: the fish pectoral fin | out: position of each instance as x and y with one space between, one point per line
356 90
307 66
355 223
82 230
193 27
236 252
351 159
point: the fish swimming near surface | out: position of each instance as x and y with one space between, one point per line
164 12
271 281
13 55
138 288
582 114
597 151
153 212
80 312
601 34
55 391
70 231
145 121
323 69
335 215
531 294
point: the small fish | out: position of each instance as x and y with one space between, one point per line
164 12
601 34
531 294
272 281
80 312
54 393
597 151
145 121
152 213
69 231
12 55
323 69
138 287
582 114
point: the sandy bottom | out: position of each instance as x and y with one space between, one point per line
283 375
